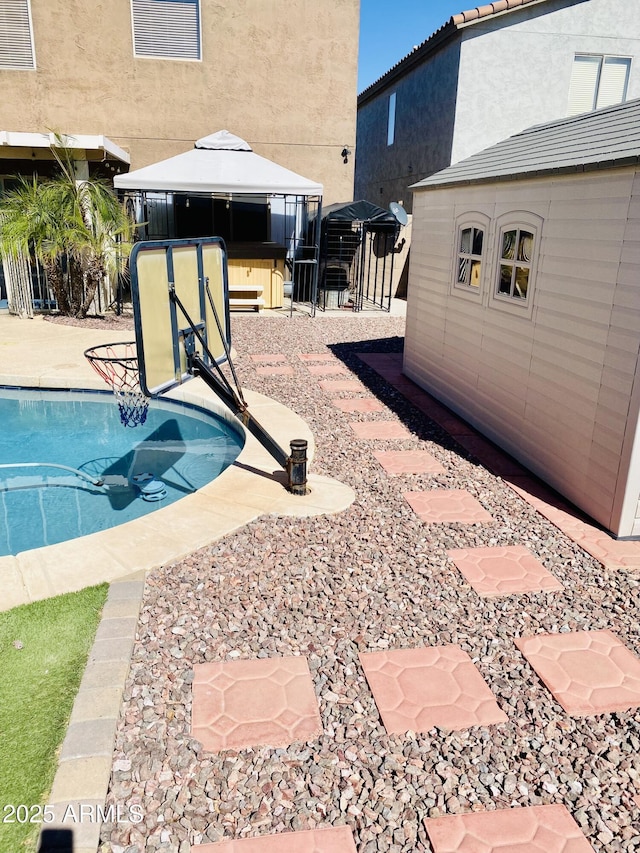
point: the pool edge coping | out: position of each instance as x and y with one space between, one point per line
244 491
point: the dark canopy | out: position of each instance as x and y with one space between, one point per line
358 211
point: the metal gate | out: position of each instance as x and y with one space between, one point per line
357 258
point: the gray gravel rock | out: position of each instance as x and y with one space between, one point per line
370 578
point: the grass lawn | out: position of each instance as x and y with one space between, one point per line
43 652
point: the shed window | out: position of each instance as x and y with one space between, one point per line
597 81
516 257
469 265
166 29
517 246
16 36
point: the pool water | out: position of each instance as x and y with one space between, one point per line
181 447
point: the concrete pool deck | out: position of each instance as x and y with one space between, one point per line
39 354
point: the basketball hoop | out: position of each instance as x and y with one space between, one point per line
117 364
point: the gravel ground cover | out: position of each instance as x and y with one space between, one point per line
373 577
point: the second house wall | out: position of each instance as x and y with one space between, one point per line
552 388
515 70
424 113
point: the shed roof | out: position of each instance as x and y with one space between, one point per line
220 162
441 36
602 139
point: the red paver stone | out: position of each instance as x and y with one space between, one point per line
409 462
503 571
333 839
551 505
327 369
243 703
316 356
588 672
609 551
359 404
268 357
447 506
379 429
341 385
534 829
275 370
417 689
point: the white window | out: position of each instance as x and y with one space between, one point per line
597 81
166 29
469 267
471 239
391 120
516 255
518 238
16 36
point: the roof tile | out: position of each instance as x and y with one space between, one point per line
489 9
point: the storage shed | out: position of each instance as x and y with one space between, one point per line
523 308
223 188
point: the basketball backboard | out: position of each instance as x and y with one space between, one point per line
190 269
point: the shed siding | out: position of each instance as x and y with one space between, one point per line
554 389
621 365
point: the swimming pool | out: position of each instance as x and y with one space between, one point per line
78 441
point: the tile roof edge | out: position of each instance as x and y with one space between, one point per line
498 7
446 32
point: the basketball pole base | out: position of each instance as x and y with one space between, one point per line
297 467
295 463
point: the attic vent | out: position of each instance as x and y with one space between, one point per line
166 29
16 36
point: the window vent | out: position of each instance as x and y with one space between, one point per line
16 37
166 29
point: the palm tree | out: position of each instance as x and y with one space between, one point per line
77 229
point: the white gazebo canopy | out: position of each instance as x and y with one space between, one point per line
219 163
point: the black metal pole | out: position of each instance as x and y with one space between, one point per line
297 467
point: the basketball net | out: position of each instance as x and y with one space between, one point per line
117 364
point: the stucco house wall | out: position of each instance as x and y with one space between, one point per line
279 74
557 387
475 83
